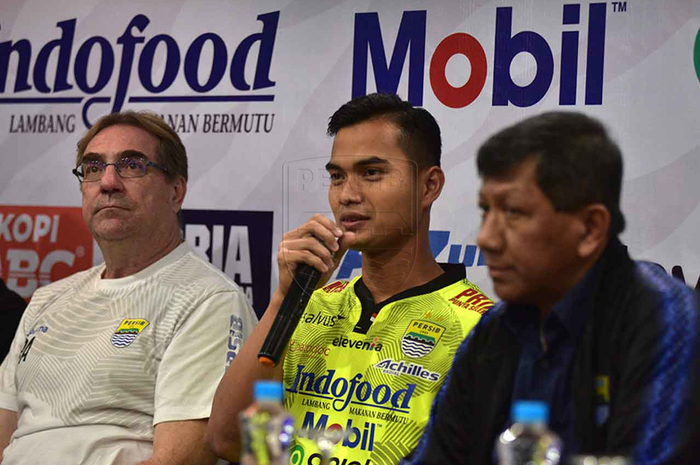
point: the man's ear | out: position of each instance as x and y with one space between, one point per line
432 182
595 221
179 189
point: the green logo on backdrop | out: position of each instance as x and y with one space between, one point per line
696 55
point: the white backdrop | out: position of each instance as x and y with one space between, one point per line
249 85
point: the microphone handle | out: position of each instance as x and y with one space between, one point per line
303 285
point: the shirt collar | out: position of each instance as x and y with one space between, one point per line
570 312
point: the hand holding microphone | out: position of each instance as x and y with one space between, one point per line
307 256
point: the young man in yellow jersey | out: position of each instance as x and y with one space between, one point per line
370 354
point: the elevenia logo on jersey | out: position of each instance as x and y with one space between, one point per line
420 338
127 332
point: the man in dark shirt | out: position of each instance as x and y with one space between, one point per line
11 308
611 345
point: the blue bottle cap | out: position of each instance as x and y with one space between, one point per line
268 390
530 411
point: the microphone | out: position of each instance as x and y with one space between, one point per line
306 278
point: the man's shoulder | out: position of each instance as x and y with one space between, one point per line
655 290
192 271
70 282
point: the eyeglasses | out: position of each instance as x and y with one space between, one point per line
131 167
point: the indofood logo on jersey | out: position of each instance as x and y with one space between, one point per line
409 48
420 338
40 245
342 392
127 332
210 66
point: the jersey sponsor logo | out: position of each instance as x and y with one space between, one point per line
128 331
602 396
298 453
392 367
472 299
311 349
420 338
235 339
373 345
343 392
322 320
337 286
352 436
29 341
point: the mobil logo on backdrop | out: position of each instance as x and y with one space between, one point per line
40 245
410 46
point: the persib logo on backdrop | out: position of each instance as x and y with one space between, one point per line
101 71
239 243
410 46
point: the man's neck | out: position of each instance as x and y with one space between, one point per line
125 258
391 272
574 278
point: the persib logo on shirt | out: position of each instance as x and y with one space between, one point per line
127 331
420 338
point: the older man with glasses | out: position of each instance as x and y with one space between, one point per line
118 364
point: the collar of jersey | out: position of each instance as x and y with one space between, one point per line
452 274
121 283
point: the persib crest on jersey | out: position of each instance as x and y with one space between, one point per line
127 332
420 338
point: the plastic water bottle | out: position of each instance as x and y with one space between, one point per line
528 441
267 429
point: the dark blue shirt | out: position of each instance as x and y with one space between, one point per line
546 360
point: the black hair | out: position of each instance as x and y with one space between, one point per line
577 162
419 132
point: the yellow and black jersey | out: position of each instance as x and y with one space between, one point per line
367 373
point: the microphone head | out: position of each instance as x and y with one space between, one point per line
266 361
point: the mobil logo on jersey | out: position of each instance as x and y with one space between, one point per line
409 48
239 243
420 338
39 245
354 434
343 392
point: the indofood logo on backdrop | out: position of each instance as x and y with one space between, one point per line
83 71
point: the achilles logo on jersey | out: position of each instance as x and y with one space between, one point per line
373 345
420 338
127 332
322 320
392 367
343 391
